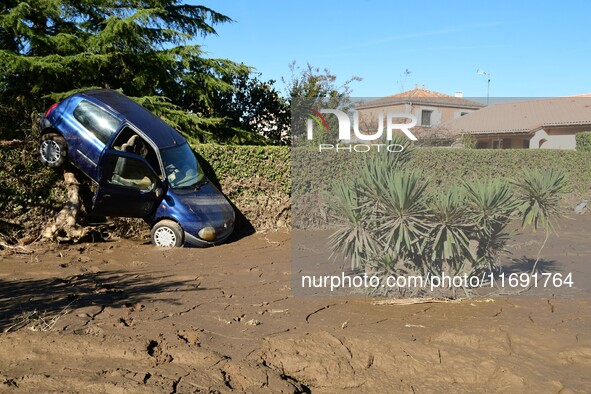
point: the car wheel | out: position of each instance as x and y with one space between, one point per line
52 150
167 233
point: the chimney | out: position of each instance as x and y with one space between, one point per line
423 86
459 94
416 85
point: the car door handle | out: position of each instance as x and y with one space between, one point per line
106 196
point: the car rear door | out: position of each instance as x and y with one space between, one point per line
94 127
128 186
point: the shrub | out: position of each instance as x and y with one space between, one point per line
29 191
467 141
256 179
391 225
271 164
260 180
315 172
583 141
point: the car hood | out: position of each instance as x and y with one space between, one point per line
206 206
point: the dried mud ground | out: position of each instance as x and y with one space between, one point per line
128 317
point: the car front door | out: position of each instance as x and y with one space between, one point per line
127 187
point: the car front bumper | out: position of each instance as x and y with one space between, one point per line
191 240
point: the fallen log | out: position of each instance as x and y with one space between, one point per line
64 227
12 143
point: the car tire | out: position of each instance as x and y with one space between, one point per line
167 233
52 150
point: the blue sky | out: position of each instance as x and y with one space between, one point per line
531 49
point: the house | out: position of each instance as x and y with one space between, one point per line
541 123
432 109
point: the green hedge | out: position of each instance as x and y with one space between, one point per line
258 179
583 140
447 167
268 163
255 178
314 173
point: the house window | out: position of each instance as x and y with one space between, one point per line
525 144
505 143
426 118
481 145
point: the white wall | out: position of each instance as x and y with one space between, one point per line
543 139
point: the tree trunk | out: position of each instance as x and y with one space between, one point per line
12 143
64 226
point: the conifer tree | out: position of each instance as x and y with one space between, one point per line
49 48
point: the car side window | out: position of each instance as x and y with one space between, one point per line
96 120
132 173
129 141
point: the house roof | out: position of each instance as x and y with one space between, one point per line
521 117
421 96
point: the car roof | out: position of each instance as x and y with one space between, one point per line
162 134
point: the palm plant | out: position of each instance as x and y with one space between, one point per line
401 216
361 207
450 229
490 204
353 239
391 225
538 198
379 218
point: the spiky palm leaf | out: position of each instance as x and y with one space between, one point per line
353 239
401 213
490 204
538 198
450 228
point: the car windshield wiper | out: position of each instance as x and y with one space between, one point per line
196 185
201 183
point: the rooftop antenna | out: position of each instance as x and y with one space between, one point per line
405 75
487 75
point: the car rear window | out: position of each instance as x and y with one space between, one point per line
96 120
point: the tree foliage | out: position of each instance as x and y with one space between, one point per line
312 82
142 47
314 88
256 106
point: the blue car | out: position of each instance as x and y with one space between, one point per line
142 167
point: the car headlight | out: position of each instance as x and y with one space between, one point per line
207 234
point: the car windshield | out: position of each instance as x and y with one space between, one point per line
182 169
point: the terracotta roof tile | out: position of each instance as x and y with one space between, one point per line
524 116
421 96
